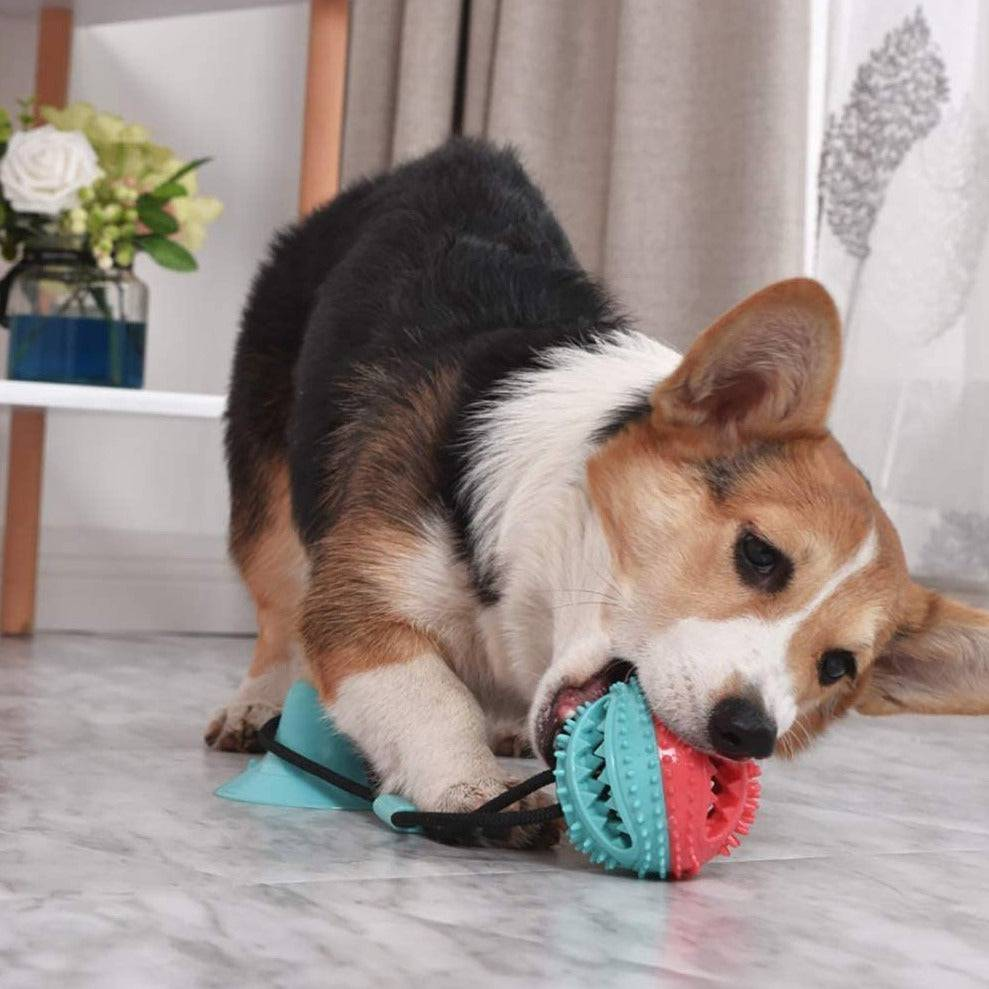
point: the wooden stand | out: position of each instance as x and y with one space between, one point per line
27 426
51 73
326 82
20 537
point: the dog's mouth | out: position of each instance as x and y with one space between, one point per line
565 702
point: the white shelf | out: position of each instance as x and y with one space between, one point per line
129 401
87 12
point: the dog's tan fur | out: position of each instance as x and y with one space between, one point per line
350 621
936 663
273 565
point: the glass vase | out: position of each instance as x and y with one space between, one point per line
71 322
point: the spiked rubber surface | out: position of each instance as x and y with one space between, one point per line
609 783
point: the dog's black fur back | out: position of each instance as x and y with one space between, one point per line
452 261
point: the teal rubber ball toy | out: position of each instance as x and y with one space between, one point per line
637 798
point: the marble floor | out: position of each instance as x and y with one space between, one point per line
868 865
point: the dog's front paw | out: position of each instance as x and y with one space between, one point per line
235 728
258 699
465 797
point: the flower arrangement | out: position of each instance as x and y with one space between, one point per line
95 178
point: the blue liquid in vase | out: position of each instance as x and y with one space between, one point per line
76 350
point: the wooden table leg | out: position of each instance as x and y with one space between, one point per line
51 70
27 426
326 81
22 527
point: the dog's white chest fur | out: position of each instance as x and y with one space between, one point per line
533 524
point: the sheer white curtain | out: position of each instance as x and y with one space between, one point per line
904 209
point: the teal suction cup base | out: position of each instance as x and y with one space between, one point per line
306 728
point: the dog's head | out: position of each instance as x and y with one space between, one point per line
760 588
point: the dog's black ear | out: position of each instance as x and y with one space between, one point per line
939 664
765 369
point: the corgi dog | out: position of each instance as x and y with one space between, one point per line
467 496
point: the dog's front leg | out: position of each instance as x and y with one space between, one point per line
422 731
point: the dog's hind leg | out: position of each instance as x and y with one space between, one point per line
267 550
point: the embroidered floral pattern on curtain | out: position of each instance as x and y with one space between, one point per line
904 210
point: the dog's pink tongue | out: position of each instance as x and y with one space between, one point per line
567 702
570 698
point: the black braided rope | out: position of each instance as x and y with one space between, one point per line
266 736
489 817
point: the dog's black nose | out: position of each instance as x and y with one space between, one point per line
741 728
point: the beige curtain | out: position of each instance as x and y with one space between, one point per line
669 135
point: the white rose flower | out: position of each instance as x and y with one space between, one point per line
44 169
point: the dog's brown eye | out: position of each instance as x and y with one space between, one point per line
760 564
759 554
834 665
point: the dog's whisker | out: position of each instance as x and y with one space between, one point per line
599 595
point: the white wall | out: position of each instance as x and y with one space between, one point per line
18 41
134 510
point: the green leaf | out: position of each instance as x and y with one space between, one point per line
154 217
166 252
184 170
6 128
169 190
26 108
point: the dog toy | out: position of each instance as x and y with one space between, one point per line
636 797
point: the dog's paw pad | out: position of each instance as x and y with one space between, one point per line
235 728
